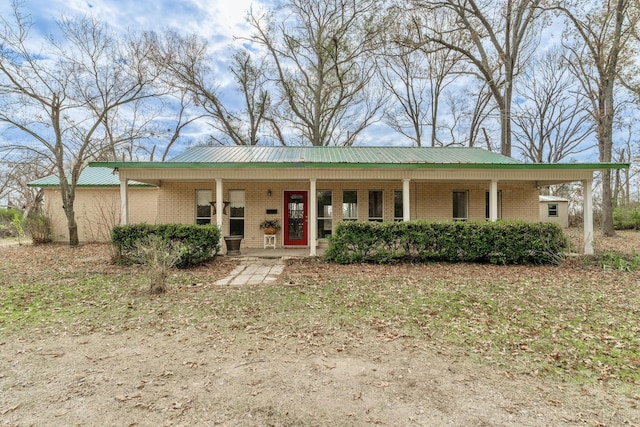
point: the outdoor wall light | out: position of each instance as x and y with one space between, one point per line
269 192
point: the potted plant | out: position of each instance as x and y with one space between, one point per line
270 226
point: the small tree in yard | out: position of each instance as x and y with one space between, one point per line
159 256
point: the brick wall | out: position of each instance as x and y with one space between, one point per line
98 210
429 200
174 202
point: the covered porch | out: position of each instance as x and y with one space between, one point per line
245 185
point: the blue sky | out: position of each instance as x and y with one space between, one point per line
218 21
215 20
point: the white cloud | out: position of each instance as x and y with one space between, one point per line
217 21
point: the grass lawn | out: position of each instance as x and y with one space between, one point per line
578 321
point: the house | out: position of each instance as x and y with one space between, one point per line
97 204
311 189
554 209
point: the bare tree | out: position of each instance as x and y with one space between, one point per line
182 119
452 129
498 39
188 63
602 34
57 99
552 120
322 53
416 73
403 75
480 115
626 152
251 78
16 174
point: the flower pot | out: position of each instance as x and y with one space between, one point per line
233 244
270 230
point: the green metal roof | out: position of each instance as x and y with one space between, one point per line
348 157
89 177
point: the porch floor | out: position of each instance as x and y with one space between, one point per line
277 253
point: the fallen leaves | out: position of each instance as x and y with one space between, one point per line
126 397
574 320
10 409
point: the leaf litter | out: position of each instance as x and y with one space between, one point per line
81 339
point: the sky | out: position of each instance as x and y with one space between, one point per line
220 22
215 20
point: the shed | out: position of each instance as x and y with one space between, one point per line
554 209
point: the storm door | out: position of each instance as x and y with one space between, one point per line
295 218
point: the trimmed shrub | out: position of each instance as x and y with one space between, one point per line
199 242
422 241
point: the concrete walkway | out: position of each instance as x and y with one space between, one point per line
254 271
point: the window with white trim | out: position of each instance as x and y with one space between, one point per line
398 205
460 205
325 214
236 212
552 210
350 205
203 206
376 205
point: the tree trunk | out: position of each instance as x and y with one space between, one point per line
505 126
605 145
67 192
72 224
607 206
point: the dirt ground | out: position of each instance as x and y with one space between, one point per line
206 376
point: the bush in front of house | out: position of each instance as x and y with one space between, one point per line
422 241
39 227
626 218
159 256
198 242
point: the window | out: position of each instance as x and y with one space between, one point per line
325 214
486 205
552 210
460 205
398 206
350 205
375 205
203 207
236 212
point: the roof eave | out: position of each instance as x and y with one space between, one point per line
316 165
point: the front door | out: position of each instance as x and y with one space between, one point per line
295 218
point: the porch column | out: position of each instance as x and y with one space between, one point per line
493 201
124 201
406 200
219 208
313 216
587 209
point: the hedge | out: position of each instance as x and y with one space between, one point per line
200 242
422 241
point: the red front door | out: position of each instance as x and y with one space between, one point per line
295 218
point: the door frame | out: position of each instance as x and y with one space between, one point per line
305 216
